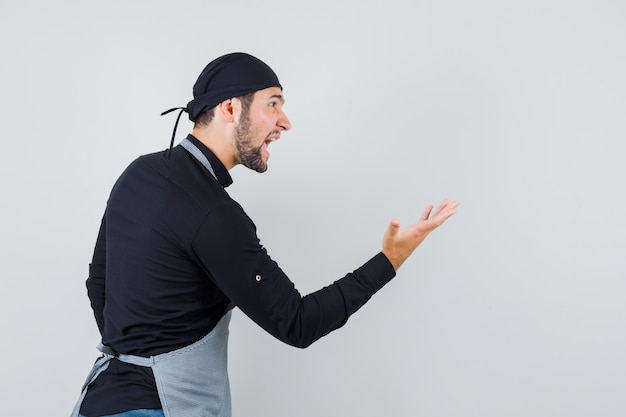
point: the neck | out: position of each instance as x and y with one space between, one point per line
219 144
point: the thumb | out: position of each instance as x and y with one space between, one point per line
392 229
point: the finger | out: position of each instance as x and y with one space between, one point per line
444 203
452 206
394 227
392 231
447 211
426 212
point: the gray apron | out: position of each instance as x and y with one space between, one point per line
191 381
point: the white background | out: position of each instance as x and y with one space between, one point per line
515 307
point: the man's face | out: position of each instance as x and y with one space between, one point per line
258 126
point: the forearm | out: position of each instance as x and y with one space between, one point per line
329 308
230 252
266 295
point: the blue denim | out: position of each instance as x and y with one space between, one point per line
137 413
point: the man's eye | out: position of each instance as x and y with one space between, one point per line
272 104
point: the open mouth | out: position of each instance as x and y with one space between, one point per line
265 145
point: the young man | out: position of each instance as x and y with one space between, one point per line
175 254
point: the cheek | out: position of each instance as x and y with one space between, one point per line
267 119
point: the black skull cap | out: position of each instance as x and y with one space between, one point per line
231 75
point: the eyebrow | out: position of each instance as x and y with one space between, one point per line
278 96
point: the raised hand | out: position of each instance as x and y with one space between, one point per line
399 244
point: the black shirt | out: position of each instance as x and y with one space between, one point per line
174 251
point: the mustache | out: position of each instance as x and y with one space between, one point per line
273 133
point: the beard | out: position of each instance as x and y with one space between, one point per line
249 155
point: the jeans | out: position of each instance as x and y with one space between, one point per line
137 413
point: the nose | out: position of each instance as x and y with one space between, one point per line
283 122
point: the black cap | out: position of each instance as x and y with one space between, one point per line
229 76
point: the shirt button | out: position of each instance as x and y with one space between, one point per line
258 278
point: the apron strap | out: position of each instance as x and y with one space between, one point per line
101 364
197 153
132 359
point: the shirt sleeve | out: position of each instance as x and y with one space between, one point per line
97 272
229 250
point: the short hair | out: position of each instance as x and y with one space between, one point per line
205 118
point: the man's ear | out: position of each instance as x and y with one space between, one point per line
230 109
227 109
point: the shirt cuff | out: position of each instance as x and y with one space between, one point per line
377 272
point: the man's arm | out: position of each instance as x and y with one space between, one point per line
230 252
96 280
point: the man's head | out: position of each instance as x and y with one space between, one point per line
245 97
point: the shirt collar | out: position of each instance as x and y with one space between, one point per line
220 170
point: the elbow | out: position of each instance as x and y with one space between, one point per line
294 340
303 333
95 292
95 288
302 340
301 344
